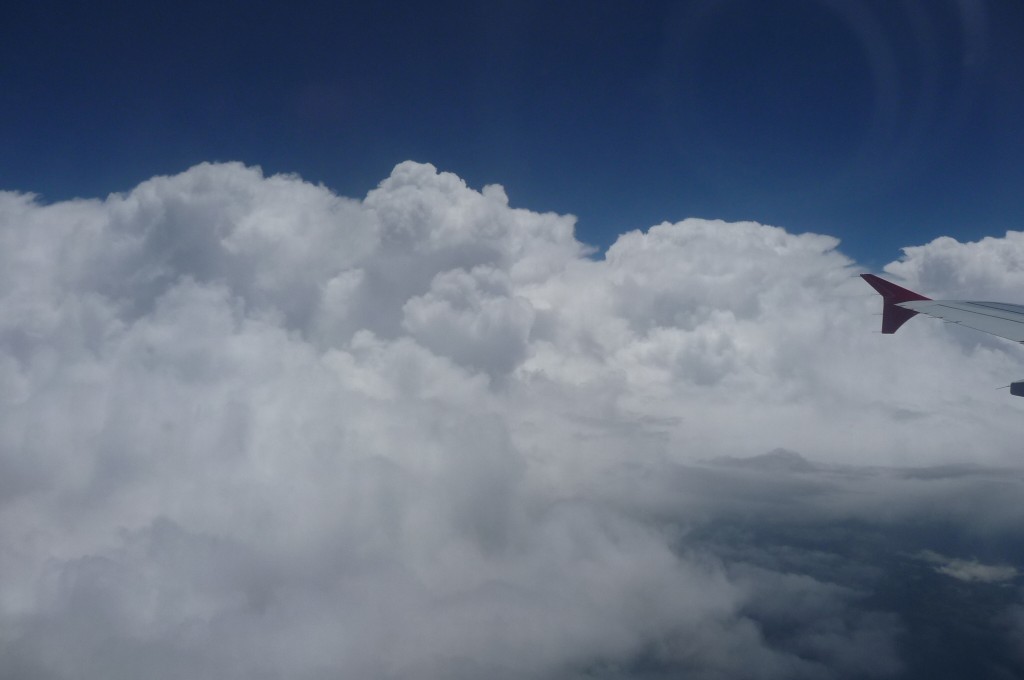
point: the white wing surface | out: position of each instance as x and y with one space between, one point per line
997 318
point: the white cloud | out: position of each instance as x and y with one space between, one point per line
249 428
969 570
992 268
473 318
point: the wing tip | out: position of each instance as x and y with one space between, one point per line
890 291
893 316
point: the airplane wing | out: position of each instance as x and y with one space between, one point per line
997 318
899 305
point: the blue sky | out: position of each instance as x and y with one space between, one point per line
883 123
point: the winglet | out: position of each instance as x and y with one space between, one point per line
893 316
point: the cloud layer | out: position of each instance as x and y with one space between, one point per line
249 428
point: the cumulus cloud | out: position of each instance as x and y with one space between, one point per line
249 428
992 268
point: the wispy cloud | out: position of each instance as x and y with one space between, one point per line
969 570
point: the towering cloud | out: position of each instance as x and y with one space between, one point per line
249 428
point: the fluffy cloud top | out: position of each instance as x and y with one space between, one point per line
249 428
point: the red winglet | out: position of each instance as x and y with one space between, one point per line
893 316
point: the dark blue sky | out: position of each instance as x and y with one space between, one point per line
883 122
